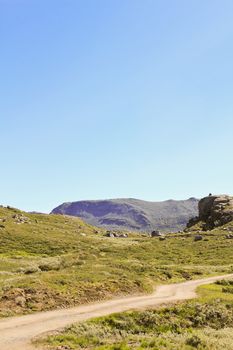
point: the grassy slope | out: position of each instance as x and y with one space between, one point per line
56 261
205 323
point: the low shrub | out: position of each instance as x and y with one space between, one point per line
194 341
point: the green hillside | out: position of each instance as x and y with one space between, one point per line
54 261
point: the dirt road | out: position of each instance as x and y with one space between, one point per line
17 332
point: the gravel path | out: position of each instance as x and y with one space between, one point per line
16 333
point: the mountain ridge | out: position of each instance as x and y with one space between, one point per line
132 214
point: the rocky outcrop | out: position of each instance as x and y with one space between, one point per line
214 211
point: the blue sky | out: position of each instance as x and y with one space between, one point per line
105 99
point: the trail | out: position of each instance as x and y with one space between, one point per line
16 333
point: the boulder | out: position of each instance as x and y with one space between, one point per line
214 211
156 234
110 234
198 238
124 235
162 238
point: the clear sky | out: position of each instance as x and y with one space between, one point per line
115 98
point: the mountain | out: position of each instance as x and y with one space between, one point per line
132 214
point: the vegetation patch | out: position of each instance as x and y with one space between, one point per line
205 323
54 261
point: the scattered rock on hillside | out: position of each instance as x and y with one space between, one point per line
156 234
198 238
214 211
162 238
21 301
124 235
113 234
20 219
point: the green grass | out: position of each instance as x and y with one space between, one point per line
54 261
205 323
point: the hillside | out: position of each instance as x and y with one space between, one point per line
133 214
204 324
56 261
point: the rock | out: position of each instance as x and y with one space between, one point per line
20 219
31 269
156 234
20 301
198 238
214 211
110 234
229 236
162 238
192 222
124 235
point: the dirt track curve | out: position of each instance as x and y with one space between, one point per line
16 333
